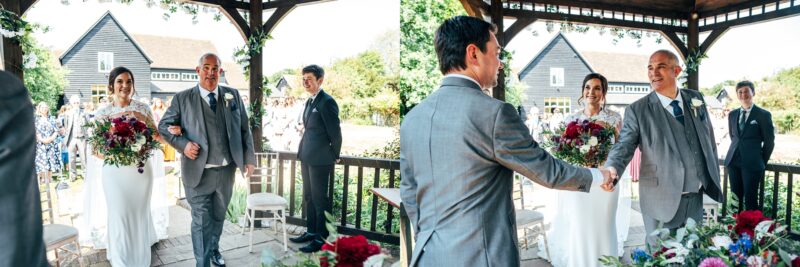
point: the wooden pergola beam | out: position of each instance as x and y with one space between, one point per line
12 52
276 18
475 8
713 37
288 3
238 20
676 42
763 17
227 3
516 28
611 7
518 13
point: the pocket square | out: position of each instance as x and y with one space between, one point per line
314 110
234 107
753 122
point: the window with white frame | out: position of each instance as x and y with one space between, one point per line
165 76
189 76
557 103
637 89
556 76
105 61
616 89
99 91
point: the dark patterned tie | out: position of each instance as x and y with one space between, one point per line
212 101
742 120
677 111
307 111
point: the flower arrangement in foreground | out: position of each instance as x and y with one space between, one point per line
338 250
584 143
745 239
122 141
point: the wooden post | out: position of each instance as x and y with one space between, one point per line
693 44
496 11
256 75
12 52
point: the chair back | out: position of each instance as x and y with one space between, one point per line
265 173
45 196
518 193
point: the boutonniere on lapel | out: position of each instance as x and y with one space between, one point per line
228 98
696 103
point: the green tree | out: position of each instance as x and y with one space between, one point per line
419 72
44 80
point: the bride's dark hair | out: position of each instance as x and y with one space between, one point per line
113 76
603 85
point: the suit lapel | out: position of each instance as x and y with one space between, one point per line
699 126
196 102
659 114
750 117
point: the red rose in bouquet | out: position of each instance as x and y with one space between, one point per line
350 251
585 143
746 222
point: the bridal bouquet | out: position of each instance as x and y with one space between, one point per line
122 141
584 143
745 239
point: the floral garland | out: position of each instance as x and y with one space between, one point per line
19 30
253 47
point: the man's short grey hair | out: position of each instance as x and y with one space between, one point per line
75 99
204 56
672 57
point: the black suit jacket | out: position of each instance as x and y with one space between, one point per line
322 139
754 143
20 209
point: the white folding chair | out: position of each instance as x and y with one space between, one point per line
271 203
529 220
57 237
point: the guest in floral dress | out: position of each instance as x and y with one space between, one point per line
47 151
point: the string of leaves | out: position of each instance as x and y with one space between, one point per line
20 32
171 7
255 43
694 59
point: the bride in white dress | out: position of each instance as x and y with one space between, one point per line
130 228
584 226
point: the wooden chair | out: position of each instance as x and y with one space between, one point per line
58 237
529 220
271 203
710 209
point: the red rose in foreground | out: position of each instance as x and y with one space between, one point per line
746 222
796 262
350 251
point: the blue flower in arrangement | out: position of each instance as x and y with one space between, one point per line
640 256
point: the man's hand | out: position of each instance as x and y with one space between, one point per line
609 176
175 130
248 170
191 150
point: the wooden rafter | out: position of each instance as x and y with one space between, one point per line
276 18
241 24
713 37
598 5
515 28
475 8
520 13
793 10
228 3
288 3
677 43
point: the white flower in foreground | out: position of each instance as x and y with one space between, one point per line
721 241
593 141
585 149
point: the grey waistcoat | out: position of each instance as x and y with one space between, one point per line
690 151
218 148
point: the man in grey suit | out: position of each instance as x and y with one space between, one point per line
74 132
679 163
21 220
459 148
215 140
318 151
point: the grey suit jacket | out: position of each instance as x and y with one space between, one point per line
73 126
458 151
186 111
662 172
21 219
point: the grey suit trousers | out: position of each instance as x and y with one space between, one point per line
209 201
691 206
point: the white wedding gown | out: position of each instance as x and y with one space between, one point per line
119 207
586 226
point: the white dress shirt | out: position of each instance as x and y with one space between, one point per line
666 101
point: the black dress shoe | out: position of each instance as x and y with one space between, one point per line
216 258
312 247
303 238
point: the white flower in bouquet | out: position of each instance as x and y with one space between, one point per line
755 261
140 141
585 149
593 141
721 241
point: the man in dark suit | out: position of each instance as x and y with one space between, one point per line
752 140
318 152
21 210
